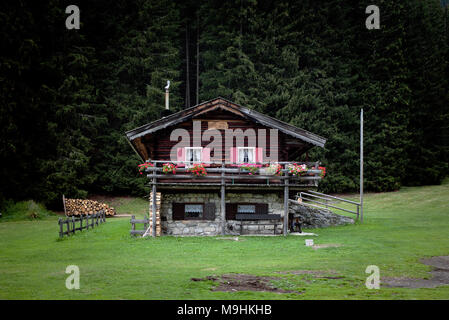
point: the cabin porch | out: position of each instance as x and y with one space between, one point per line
222 193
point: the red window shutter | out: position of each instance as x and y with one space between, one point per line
233 154
178 210
180 156
205 156
259 155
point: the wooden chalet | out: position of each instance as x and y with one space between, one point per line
230 199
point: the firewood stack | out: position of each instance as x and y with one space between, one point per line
77 207
158 214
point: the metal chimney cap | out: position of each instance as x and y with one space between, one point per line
168 85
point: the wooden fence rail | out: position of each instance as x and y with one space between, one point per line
85 222
135 221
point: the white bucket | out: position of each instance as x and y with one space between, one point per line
309 242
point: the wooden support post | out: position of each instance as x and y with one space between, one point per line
153 209
286 192
63 202
223 203
73 224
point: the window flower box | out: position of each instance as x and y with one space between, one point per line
143 166
197 170
249 168
297 169
168 168
271 170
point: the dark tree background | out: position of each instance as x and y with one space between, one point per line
67 96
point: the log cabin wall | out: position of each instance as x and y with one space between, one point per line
158 145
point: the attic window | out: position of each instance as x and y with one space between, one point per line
193 154
246 154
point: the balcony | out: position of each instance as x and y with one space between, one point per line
232 176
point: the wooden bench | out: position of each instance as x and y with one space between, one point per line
252 217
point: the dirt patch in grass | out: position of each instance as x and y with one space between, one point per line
244 282
440 275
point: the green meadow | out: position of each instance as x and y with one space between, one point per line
399 229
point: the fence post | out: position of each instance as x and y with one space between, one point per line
68 225
73 224
60 228
133 225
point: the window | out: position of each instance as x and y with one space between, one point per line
246 208
232 209
193 211
246 154
193 155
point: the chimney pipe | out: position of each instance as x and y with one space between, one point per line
166 95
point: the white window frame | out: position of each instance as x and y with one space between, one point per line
238 154
188 162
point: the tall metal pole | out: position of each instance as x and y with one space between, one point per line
361 165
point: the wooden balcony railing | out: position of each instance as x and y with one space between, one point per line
229 174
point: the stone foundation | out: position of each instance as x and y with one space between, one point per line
211 228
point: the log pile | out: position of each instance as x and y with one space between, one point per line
78 207
158 215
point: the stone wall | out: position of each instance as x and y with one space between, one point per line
209 227
317 218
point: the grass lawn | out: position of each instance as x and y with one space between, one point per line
399 229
